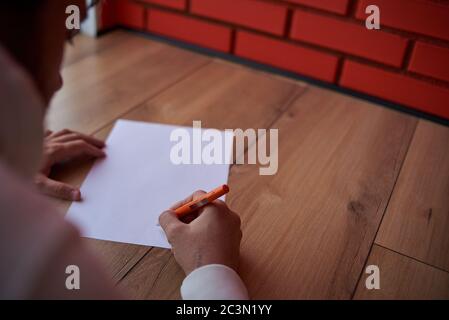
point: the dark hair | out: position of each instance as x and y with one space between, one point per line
30 5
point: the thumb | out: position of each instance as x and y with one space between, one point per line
58 189
169 221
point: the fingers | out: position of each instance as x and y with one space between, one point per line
218 204
190 217
77 149
47 133
79 136
221 204
170 223
217 210
197 194
57 189
63 146
67 136
81 147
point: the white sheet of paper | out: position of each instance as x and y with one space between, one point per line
124 194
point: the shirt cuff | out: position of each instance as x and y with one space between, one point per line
213 282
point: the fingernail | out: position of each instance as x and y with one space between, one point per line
76 195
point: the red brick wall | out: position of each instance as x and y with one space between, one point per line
406 62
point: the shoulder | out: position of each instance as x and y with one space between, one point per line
21 117
31 232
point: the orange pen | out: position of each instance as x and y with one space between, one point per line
193 205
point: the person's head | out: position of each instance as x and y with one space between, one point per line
34 33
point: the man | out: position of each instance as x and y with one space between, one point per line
36 243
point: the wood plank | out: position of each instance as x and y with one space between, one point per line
308 230
311 225
84 46
101 87
339 160
157 277
180 105
403 278
237 92
116 258
222 96
70 111
417 220
243 99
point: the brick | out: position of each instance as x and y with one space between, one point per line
175 4
263 16
348 37
189 29
398 88
337 6
423 17
108 15
431 61
286 56
129 14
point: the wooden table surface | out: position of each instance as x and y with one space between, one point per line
358 184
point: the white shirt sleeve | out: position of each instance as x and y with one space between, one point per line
213 282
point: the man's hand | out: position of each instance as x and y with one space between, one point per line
60 147
213 237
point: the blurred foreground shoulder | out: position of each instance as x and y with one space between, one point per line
37 245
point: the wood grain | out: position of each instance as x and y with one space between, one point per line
403 278
417 219
222 96
312 224
84 46
236 93
308 230
157 276
102 82
110 83
243 99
